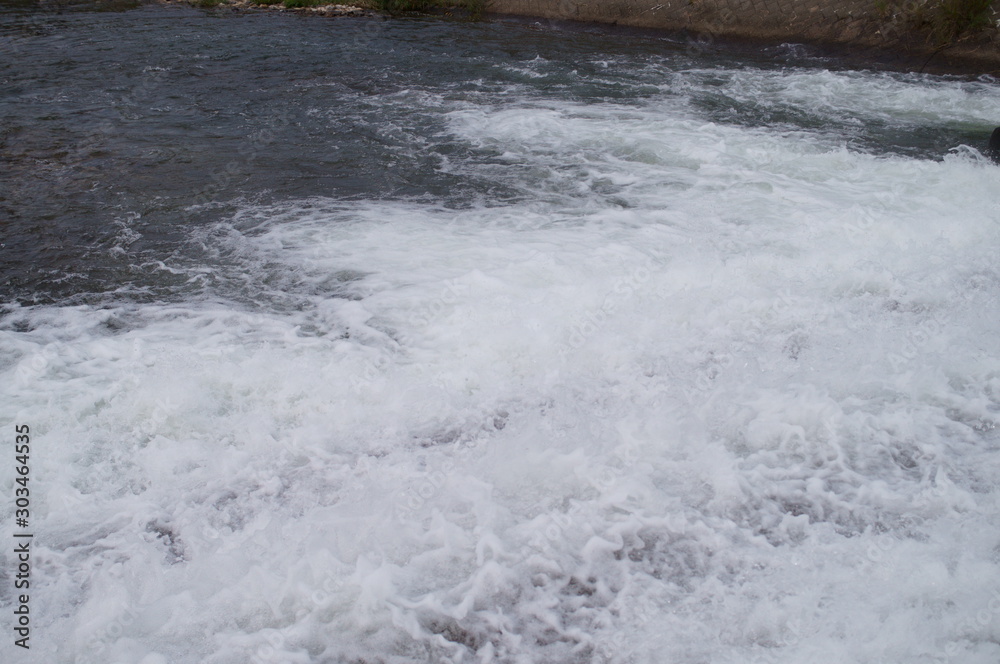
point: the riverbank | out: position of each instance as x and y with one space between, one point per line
958 36
939 36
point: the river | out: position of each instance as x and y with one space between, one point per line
426 340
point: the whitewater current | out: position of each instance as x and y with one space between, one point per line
701 372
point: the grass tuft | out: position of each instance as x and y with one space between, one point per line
474 7
957 17
394 6
941 21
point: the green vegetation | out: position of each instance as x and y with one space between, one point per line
943 21
474 7
115 5
956 17
393 6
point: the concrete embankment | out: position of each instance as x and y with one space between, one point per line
937 35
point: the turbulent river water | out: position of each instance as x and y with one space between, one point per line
419 340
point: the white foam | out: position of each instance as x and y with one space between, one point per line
711 394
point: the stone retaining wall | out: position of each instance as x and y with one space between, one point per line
908 28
